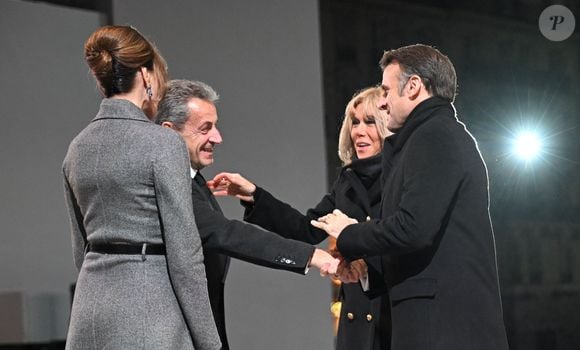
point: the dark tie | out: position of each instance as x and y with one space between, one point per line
200 181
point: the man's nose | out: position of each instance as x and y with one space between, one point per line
383 103
215 137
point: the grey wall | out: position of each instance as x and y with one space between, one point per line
263 58
46 97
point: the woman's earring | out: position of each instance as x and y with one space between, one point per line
149 92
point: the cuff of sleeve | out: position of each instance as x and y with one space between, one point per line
364 282
249 206
307 267
347 240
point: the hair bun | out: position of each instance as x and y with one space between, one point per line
102 56
115 54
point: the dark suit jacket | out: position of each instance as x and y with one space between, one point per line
221 236
436 230
369 319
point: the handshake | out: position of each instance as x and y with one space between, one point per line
329 263
332 263
346 272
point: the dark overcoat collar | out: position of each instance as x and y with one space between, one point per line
423 112
363 181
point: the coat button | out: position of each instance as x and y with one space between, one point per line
369 317
350 316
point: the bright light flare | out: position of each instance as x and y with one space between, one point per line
527 145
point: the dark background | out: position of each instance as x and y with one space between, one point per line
510 78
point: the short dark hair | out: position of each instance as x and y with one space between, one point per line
434 68
173 107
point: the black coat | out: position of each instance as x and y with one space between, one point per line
221 236
436 232
357 193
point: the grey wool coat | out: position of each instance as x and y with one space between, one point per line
127 181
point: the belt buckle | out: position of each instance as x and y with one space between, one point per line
144 252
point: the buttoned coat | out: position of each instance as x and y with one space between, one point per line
362 321
127 181
222 238
436 231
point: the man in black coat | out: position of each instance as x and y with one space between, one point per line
435 233
189 108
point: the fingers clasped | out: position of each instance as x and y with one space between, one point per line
333 223
345 271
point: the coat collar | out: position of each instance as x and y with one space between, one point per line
367 169
116 108
363 182
423 112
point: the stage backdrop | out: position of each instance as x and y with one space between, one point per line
46 96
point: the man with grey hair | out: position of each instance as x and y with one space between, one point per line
189 108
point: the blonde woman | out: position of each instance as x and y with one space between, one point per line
357 192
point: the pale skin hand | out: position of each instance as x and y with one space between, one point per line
232 184
333 223
349 272
325 262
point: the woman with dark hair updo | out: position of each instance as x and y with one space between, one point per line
141 282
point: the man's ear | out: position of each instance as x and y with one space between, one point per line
168 125
414 87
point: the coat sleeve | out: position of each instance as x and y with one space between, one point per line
377 285
277 216
248 242
432 175
182 241
77 228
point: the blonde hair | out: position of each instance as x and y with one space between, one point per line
369 99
